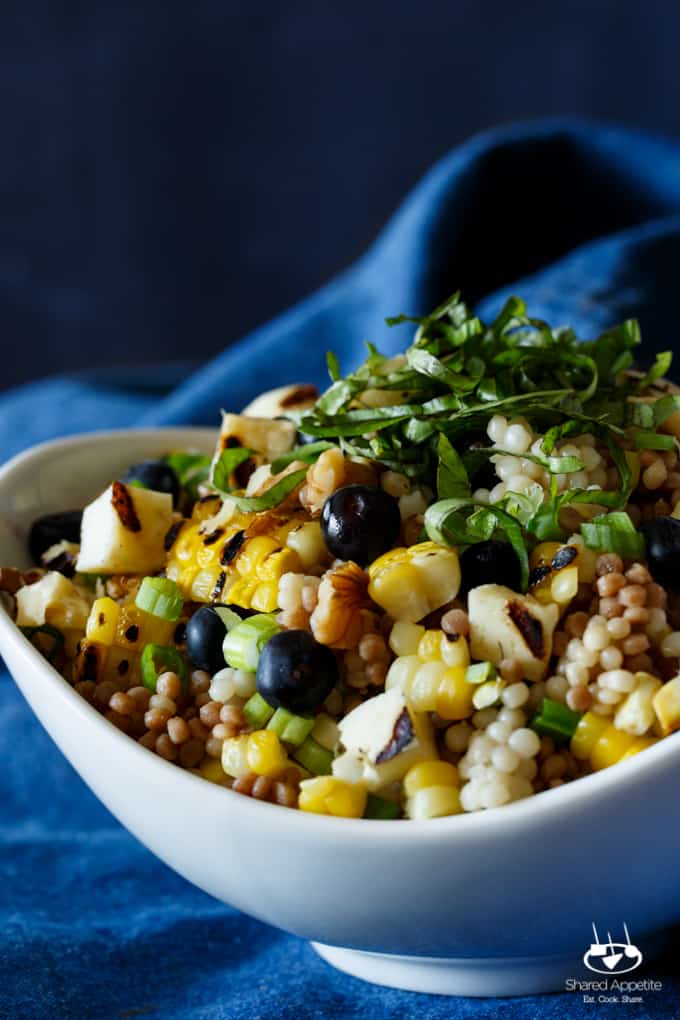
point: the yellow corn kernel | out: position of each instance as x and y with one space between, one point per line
405 637
588 731
667 706
411 582
211 769
254 552
424 687
328 795
610 748
636 714
102 621
265 598
454 653
586 559
564 585
264 754
307 541
542 555
454 698
402 672
235 756
433 802
430 773
640 744
430 646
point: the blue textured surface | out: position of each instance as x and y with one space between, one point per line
91 925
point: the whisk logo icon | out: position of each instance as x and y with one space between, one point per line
612 957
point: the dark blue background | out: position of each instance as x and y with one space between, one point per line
174 173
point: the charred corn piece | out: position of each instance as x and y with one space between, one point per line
431 790
432 679
411 582
114 639
598 741
667 706
554 572
328 795
233 556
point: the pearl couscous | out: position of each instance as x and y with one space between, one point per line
450 582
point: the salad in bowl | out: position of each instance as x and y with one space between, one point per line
449 582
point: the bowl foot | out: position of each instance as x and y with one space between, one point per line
442 976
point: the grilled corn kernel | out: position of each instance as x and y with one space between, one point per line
455 696
610 748
235 756
433 802
115 638
307 541
589 729
429 646
455 652
422 693
640 744
328 795
542 555
636 713
429 773
211 769
402 672
264 754
667 706
411 582
102 621
241 555
405 637
564 585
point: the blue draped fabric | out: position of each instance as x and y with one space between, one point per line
581 220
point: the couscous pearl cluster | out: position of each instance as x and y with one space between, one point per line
498 762
517 473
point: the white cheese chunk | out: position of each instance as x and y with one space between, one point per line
53 599
505 625
123 531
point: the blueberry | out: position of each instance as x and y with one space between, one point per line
360 522
662 540
53 528
205 634
295 672
491 562
156 475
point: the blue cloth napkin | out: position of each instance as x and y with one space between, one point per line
583 221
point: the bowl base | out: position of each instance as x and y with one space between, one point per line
456 976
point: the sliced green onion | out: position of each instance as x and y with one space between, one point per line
555 720
381 808
487 694
245 641
292 728
229 618
51 632
653 441
314 757
257 712
156 659
161 597
615 533
480 672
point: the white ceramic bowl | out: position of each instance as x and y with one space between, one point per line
492 903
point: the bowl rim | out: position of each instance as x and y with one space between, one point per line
526 811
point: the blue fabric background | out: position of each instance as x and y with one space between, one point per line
91 925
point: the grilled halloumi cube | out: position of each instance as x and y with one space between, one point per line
383 738
53 599
295 397
505 625
123 531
